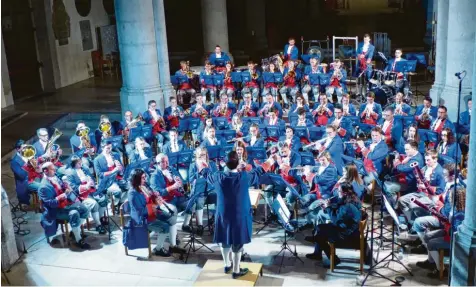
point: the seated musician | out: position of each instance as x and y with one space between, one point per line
411 134
201 155
173 114
271 88
219 59
370 112
442 121
344 218
333 144
401 83
126 125
167 181
200 108
293 142
254 138
202 129
247 107
141 151
205 89
365 53
224 108
291 52
272 118
82 183
404 180
175 144
104 131
373 155
337 81
228 87
448 147
426 113
108 168
302 120
87 145
465 119
210 139
290 87
153 117
342 124
391 128
238 125
268 104
59 202
252 86
313 68
428 188
245 162
301 102
400 108
322 111
186 87
348 109
161 217
50 155
27 174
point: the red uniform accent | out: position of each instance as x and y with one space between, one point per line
290 82
60 196
174 121
372 120
388 134
271 85
32 174
342 132
111 168
171 195
228 84
335 83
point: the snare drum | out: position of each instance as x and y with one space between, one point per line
376 77
390 79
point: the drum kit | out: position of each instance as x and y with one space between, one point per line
383 85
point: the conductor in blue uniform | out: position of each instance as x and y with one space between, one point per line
233 218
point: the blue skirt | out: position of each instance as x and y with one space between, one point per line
233 231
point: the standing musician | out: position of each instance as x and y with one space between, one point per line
268 104
465 119
173 114
86 144
448 148
313 68
228 87
219 59
322 111
365 53
426 113
175 144
27 174
59 202
348 109
392 128
271 88
210 139
302 120
148 206
207 88
373 155
290 87
141 151
370 112
252 86
301 102
333 144
224 108
186 87
401 82
254 138
291 52
342 124
337 81
247 107
400 108
293 142
153 117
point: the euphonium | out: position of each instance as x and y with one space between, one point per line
56 135
29 152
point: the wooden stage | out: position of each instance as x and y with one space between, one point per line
212 274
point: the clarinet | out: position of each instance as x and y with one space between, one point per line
165 203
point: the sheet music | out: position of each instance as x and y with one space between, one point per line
391 211
284 212
254 196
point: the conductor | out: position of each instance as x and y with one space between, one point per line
233 219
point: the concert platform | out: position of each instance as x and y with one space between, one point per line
212 275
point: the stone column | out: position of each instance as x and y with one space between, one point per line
137 46
162 51
9 244
463 270
459 53
214 25
7 97
441 44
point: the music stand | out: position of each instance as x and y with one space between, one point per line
256 153
301 132
307 158
219 62
221 123
245 77
218 80
278 78
116 141
324 79
252 120
225 149
316 133
226 135
314 79
268 77
173 158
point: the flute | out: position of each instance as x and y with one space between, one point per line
314 143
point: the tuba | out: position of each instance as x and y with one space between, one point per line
29 152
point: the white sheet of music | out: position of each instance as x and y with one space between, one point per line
283 211
254 196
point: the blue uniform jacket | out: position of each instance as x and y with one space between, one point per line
75 142
390 64
295 142
157 180
378 155
40 151
464 122
405 108
294 52
213 59
21 179
254 106
326 181
345 124
258 143
167 147
437 179
100 167
342 80
196 177
408 170
370 50
347 217
148 117
135 157
336 149
376 109
277 106
433 111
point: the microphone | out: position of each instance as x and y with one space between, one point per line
459 73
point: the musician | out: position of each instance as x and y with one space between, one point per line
290 87
365 53
400 108
401 82
252 86
392 128
168 182
433 176
272 118
245 162
322 111
404 180
254 138
313 68
175 144
333 144
103 135
200 108
27 178
59 203
186 87
238 125
224 109
302 120
411 134
202 130
228 87
370 112
211 89
465 119
442 121
268 104
211 139
82 183
291 52
448 148
301 102
198 184
373 155
290 139
141 151
247 107
348 109
87 146
426 113
173 114
337 81
219 59
161 217
153 117
109 170
341 123
271 88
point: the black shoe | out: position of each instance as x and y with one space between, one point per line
200 230
228 269
177 240
176 249
421 249
104 221
54 241
314 256
162 252
243 271
307 226
187 228
82 244
100 229
311 239
435 274
426 265
327 263
71 235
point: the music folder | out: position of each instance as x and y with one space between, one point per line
314 79
245 76
256 153
268 77
173 157
278 77
301 132
218 80
220 122
219 62
213 152
116 141
208 80
236 77
141 164
185 157
324 79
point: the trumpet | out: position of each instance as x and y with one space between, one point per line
337 74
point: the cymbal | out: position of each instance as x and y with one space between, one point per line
322 65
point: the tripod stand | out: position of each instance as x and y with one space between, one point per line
285 247
18 220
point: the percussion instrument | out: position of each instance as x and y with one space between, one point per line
390 79
382 95
376 77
